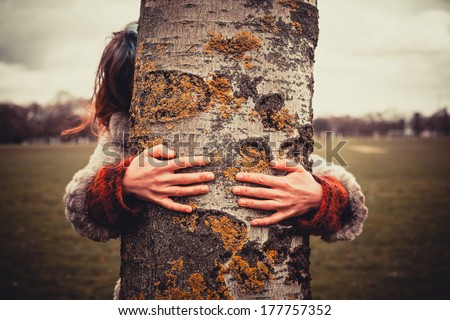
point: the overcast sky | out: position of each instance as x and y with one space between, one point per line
372 55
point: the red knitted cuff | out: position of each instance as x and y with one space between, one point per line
327 219
104 197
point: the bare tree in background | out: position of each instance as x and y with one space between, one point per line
232 80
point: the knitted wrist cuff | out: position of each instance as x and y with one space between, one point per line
105 198
327 219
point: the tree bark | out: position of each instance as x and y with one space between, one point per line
232 80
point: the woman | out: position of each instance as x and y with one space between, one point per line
103 197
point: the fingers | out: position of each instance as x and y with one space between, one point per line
190 178
186 162
175 206
186 191
263 193
267 221
259 178
287 165
259 204
161 151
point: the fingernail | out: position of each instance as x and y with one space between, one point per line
210 176
204 189
242 202
254 223
239 176
188 210
236 189
273 163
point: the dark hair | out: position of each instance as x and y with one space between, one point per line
114 80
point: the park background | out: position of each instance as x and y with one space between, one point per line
382 87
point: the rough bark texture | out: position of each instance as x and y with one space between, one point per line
230 79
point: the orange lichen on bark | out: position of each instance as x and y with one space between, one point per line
176 265
268 23
291 4
248 63
248 278
236 46
233 235
220 88
196 289
188 222
230 173
140 297
152 143
197 285
298 27
174 96
171 279
222 96
217 158
160 47
284 120
169 126
193 205
271 256
253 115
253 160
281 120
149 66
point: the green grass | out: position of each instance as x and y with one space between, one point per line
403 252
41 257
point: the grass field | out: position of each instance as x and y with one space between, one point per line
403 252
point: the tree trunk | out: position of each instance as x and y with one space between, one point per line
232 80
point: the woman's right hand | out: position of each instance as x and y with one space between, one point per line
154 180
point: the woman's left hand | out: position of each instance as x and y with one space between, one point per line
290 196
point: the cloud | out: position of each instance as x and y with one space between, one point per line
33 30
374 55
371 54
51 45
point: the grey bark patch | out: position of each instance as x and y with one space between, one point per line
251 268
259 4
270 103
298 268
248 86
299 148
190 5
201 252
258 144
308 17
279 240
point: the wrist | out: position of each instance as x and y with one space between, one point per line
127 185
316 195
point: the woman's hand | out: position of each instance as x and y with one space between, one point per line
290 196
154 180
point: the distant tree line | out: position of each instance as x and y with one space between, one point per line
438 124
43 124
378 124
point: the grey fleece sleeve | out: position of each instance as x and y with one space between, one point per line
354 225
108 151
